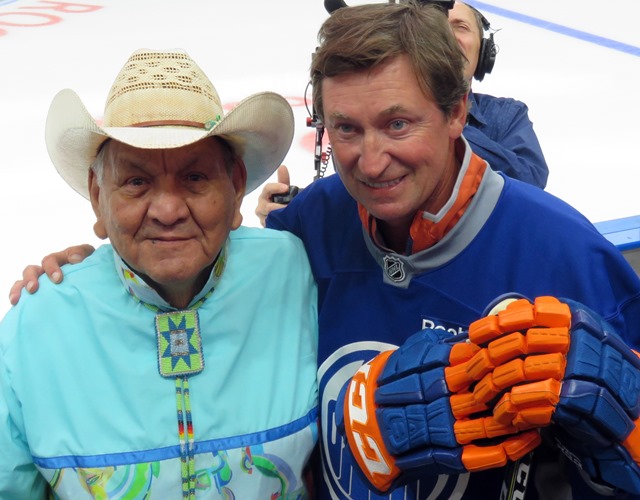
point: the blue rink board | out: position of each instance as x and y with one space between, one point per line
624 233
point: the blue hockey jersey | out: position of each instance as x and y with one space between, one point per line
512 238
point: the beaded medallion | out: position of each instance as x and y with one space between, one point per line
179 343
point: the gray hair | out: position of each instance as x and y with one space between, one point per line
98 164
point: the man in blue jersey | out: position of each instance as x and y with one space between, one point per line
169 364
417 232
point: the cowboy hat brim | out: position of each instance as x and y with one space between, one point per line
260 129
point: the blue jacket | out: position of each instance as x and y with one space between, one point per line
500 131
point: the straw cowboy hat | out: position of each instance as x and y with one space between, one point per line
160 100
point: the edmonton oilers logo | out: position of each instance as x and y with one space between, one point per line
394 268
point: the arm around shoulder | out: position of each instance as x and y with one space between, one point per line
51 266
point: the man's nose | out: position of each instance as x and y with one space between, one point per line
168 205
374 157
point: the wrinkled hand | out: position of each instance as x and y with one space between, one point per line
51 265
265 205
411 412
590 395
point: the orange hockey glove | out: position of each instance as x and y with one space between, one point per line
557 362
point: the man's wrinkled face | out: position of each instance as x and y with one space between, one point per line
168 212
464 24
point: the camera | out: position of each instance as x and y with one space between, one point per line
333 5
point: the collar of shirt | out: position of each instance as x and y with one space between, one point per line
475 113
149 297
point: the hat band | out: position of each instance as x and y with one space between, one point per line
160 123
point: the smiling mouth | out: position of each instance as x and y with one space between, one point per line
382 185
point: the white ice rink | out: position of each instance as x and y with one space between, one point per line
574 62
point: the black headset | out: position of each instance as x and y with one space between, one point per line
488 49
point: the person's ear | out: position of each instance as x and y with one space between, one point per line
458 117
239 180
94 195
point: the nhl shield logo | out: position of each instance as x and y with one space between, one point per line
394 268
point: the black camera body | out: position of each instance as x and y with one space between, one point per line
332 5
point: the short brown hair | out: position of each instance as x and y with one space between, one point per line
358 38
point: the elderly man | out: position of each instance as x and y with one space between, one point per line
417 232
173 363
